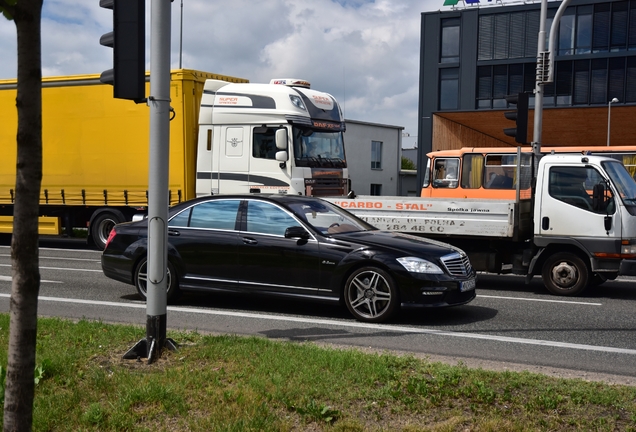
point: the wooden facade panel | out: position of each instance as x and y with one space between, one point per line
561 127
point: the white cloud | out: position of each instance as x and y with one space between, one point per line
365 53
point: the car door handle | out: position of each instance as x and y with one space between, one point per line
173 233
248 240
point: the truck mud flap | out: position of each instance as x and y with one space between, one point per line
627 268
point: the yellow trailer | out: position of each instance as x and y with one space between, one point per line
95 151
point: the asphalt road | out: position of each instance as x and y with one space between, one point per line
510 325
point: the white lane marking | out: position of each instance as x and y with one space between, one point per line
60 249
59 268
540 300
9 278
382 327
59 258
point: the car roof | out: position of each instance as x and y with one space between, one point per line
286 199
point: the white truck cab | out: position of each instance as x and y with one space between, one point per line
282 137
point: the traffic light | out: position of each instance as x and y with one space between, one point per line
520 117
128 40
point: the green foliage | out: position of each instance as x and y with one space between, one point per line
6 9
408 164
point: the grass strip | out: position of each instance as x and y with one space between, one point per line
233 383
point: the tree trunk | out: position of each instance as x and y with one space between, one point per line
19 391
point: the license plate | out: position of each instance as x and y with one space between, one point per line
467 285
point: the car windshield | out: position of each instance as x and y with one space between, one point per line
622 180
327 218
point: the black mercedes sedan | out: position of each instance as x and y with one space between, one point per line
298 247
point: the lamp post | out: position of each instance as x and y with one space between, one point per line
609 108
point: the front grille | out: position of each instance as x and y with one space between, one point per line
326 186
457 264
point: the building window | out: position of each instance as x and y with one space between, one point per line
630 85
450 41
503 36
581 82
584 29
376 155
567 32
601 25
563 83
598 82
618 32
376 189
448 88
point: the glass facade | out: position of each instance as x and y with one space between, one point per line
589 34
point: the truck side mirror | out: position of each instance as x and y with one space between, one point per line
281 139
282 157
598 196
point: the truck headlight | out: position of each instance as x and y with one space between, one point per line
298 102
419 265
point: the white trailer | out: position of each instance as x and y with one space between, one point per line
577 229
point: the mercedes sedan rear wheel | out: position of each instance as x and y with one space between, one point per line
141 280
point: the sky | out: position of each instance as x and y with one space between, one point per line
363 52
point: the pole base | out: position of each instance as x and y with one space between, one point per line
155 340
141 350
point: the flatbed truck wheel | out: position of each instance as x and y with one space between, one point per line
565 274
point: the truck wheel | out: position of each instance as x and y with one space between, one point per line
101 226
565 274
141 280
371 295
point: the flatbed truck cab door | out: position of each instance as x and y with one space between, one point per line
567 208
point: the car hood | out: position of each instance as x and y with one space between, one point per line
406 243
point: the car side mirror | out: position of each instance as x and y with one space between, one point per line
296 232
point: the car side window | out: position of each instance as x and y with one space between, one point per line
266 218
182 219
218 214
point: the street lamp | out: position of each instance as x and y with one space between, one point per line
609 107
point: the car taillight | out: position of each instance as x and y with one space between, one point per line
111 236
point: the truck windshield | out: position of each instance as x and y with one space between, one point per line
318 149
624 183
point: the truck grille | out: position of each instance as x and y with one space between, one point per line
457 264
328 186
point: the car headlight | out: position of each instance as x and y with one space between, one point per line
419 265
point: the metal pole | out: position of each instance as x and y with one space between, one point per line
609 107
538 88
181 37
159 102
